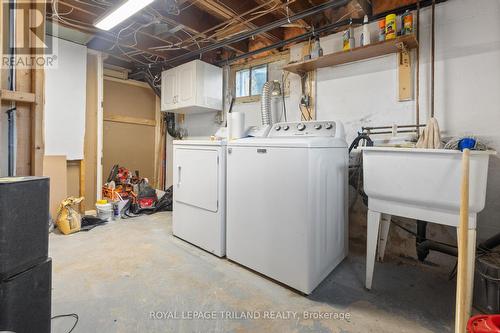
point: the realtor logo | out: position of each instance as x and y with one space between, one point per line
27 45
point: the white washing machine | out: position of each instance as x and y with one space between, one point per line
199 184
287 202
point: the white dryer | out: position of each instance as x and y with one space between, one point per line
199 184
287 202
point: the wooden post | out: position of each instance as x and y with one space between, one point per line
462 313
37 109
82 185
1 48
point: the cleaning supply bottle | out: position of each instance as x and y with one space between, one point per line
316 51
381 30
365 36
391 29
348 41
407 20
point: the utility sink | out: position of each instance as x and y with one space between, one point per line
423 183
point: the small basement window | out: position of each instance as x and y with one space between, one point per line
249 81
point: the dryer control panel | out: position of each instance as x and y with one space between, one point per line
307 128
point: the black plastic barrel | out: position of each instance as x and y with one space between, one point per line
487 283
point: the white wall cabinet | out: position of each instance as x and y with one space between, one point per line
194 87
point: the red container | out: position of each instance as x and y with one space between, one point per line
484 324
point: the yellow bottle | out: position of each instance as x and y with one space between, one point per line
390 27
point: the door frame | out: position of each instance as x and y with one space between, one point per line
157 123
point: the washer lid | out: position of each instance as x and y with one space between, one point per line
290 142
199 142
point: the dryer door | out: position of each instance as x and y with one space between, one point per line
196 177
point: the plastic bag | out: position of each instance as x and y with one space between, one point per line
68 218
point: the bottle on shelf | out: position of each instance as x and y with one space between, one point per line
316 51
365 35
348 41
391 29
407 22
381 30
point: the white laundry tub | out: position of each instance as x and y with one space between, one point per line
423 183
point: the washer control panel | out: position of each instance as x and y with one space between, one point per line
304 128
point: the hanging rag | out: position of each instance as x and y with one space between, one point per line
431 137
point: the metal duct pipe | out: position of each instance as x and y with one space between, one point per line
270 88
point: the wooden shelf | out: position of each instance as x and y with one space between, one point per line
356 54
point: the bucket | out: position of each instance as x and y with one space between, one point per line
484 324
487 283
118 206
104 211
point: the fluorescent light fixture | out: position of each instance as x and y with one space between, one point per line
120 14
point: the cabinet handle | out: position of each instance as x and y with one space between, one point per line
179 175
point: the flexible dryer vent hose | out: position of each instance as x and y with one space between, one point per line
265 106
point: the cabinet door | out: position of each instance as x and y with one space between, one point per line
196 177
168 90
186 94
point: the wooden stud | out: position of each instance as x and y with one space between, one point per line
38 108
130 120
100 112
82 185
90 145
24 125
131 82
17 96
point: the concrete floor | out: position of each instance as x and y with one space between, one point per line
115 276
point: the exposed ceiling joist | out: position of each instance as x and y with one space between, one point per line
366 6
284 12
245 35
169 32
195 21
142 32
225 12
110 39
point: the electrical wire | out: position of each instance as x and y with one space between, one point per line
99 5
61 14
189 5
140 28
73 315
283 93
118 36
